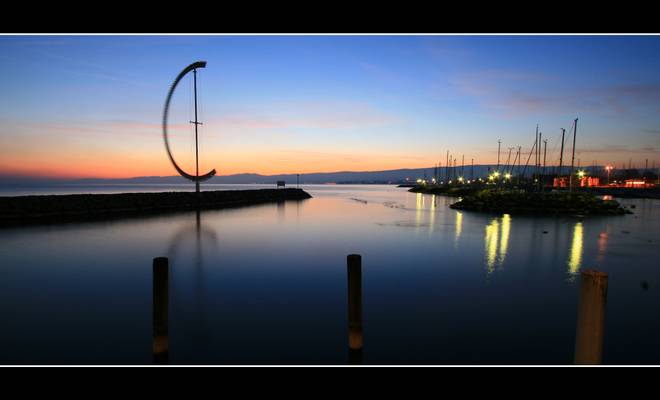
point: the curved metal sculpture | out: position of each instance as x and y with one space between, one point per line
195 178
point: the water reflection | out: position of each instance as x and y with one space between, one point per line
433 210
199 230
419 206
602 246
459 227
491 244
196 326
497 241
281 212
575 255
506 227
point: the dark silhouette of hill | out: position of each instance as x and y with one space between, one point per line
386 176
394 176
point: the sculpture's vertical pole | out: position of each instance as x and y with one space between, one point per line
196 145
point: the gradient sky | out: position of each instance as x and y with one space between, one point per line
79 106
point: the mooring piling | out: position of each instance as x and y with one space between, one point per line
354 262
160 310
591 317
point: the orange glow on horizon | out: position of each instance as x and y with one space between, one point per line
128 149
109 167
71 162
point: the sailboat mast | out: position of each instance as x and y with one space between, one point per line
545 152
570 180
447 168
533 149
506 166
540 151
514 165
498 154
536 151
561 152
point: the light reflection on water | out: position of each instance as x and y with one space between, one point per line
497 242
459 227
575 259
267 284
492 236
602 246
506 225
419 210
432 212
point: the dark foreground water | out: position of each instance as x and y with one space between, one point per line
268 284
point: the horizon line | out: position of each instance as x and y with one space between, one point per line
529 166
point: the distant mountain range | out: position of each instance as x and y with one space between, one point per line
395 176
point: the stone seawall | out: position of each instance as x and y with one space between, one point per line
75 207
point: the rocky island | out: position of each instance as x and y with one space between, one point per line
547 203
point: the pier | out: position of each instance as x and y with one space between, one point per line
79 207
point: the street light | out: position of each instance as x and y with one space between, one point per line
609 168
580 175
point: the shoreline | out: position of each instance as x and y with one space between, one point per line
44 209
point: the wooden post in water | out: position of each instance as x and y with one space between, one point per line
160 310
354 307
591 317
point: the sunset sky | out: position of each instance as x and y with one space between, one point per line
78 106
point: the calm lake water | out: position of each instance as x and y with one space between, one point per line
268 284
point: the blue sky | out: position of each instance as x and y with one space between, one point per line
91 106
